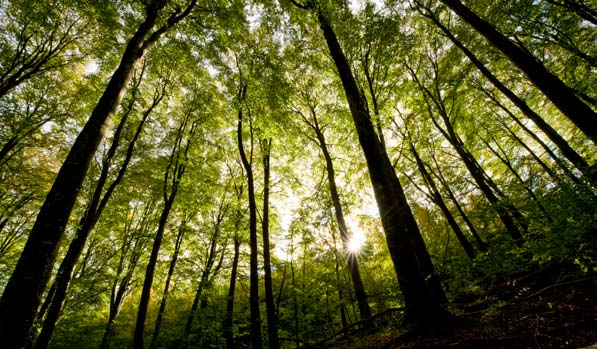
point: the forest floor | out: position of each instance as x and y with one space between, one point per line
554 307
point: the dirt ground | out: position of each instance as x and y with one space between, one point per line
555 307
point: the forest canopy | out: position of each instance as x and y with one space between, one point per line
198 174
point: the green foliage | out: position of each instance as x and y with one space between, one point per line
275 48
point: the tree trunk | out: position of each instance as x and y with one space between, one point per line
357 282
551 133
422 309
207 270
254 276
174 172
483 181
87 223
227 325
272 326
22 294
158 321
583 11
480 243
552 87
135 242
504 159
439 201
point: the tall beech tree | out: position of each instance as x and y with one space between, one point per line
311 120
562 96
22 295
423 310
97 204
175 170
270 308
255 326
549 131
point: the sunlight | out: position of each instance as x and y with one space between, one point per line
357 240
91 68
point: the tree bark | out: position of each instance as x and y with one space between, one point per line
272 326
158 321
174 172
552 87
254 276
422 309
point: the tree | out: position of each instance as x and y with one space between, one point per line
97 204
247 165
175 169
22 295
422 308
562 96
272 326
312 122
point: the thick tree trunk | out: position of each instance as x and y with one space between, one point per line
25 287
253 263
422 308
552 87
87 223
272 326
551 133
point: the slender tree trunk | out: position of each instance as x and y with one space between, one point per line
480 243
582 10
206 274
253 263
483 181
503 158
439 201
422 308
551 133
132 249
552 87
272 326
22 294
357 282
174 172
227 326
158 321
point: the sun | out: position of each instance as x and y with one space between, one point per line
354 246
357 239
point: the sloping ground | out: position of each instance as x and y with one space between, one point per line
555 307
